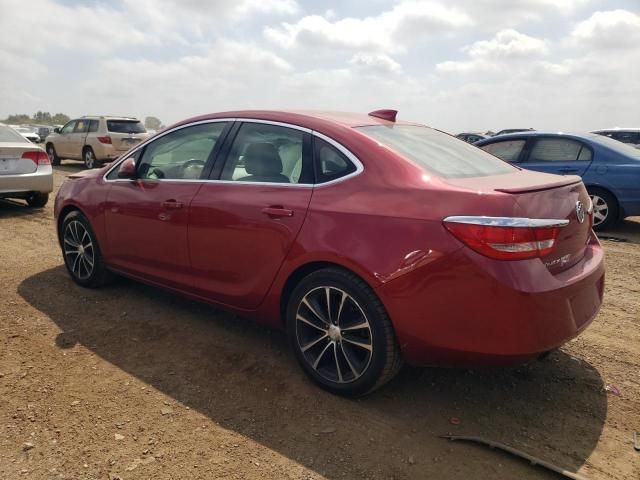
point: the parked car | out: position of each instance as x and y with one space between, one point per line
609 169
28 133
471 137
94 139
358 234
624 135
25 171
506 131
43 131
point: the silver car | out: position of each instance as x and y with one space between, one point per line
25 169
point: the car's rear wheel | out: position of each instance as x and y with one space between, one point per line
53 156
89 158
341 333
81 252
37 199
605 209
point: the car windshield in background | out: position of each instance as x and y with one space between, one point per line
125 126
437 152
9 135
626 149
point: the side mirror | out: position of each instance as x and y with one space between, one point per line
56 130
127 169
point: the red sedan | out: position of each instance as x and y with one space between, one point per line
371 241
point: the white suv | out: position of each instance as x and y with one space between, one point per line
94 139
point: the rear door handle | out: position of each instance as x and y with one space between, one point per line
277 212
568 170
172 204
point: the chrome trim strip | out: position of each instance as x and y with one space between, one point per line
340 147
516 222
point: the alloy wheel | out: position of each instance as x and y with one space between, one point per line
600 210
89 158
78 250
334 334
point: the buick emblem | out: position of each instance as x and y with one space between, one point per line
580 211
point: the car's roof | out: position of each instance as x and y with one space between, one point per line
302 117
617 129
108 117
538 133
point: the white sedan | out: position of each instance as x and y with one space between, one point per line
29 134
25 170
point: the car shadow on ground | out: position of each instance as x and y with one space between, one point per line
243 377
17 208
627 230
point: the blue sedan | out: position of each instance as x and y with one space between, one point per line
609 169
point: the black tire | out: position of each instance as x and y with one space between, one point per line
351 370
89 158
76 230
604 203
53 156
37 199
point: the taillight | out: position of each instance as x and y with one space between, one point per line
506 238
37 156
106 140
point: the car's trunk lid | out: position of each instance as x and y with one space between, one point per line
544 196
11 161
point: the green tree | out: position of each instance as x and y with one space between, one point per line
18 119
60 119
152 123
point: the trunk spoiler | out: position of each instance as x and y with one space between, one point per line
562 182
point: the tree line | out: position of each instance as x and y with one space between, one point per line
45 118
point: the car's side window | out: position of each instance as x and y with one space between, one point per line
556 150
330 163
68 128
81 126
507 150
180 155
268 154
93 125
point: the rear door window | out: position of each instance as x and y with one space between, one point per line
93 125
268 154
507 150
125 126
558 150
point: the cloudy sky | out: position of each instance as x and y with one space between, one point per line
453 64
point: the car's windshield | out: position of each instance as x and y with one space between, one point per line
437 152
10 135
125 126
626 149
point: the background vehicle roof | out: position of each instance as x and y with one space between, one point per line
538 133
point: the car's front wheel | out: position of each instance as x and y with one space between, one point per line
54 159
89 158
341 333
81 252
605 209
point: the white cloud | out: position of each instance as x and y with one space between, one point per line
615 29
378 64
408 22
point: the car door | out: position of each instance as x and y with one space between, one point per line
76 139
62 142
559 155
146 218
244 222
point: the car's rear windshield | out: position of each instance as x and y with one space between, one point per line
10 135
437 152
623 148
125 126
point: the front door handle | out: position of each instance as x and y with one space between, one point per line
171 204
277 211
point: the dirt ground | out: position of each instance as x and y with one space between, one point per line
129 382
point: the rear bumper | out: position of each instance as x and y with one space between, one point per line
467 310
39 181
